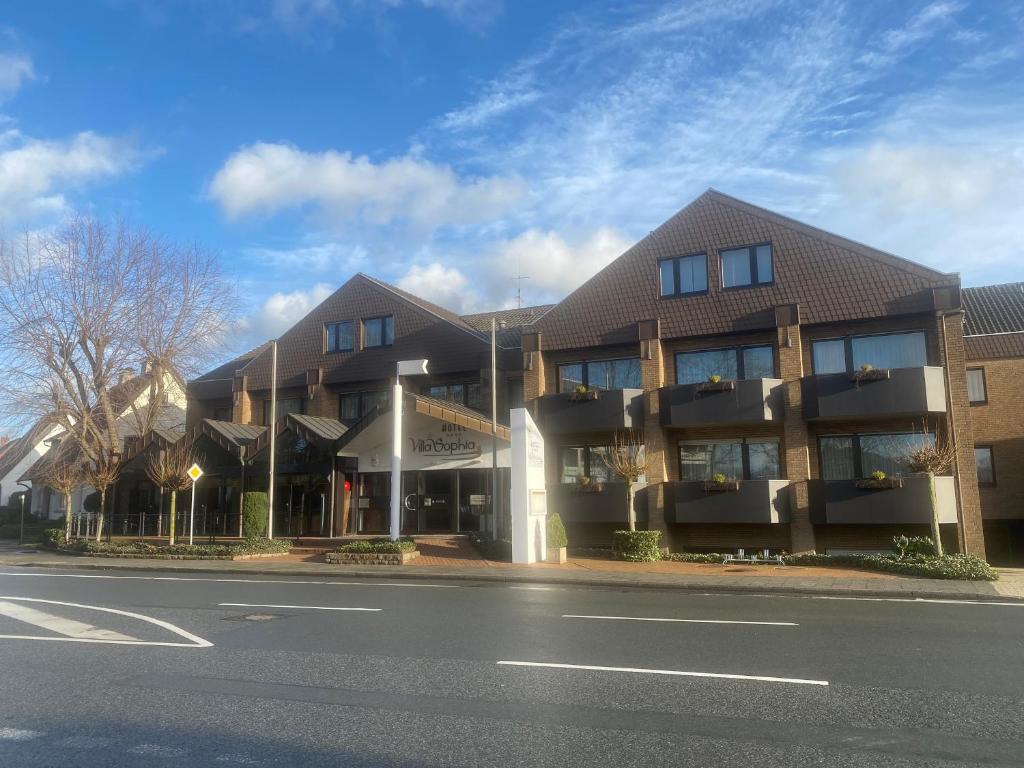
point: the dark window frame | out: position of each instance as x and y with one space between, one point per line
740 367
466 386
984 386
744 453
858 457
585 375
587 453
382 318
848 346
266 408
676 290
752 255
362 394
992 462
330 331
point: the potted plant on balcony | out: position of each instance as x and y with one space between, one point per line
719 482
868 372
932 457
628 460
556 539
716 384
582 394
586 484
879 481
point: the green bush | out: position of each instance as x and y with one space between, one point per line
962 567
914 546
254 514
637 546
91 503
695 557
144 549
54 538
556 532
378 546
499 550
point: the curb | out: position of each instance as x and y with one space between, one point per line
403 574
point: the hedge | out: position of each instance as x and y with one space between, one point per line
255 514
695 557
556 532
637 546
144 549
962 567
378 546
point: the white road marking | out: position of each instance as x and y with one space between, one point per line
949 601
62 626
19 734
194 640
234 581
671 672
683 621
305 607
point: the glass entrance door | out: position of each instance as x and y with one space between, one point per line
428 502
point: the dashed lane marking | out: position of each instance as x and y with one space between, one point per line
304 607
682 621
669 672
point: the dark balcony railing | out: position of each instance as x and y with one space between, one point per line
843 502
747 401
896 392
597 411
755 501
603 504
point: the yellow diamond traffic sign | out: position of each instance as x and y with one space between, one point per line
195 472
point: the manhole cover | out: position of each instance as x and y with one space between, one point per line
254 617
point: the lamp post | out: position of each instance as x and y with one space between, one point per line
405 368
21 525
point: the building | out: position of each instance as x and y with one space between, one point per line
769 368
17 455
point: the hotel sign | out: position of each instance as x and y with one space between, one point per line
454 442
429 443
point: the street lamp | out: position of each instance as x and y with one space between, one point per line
21 526
405 368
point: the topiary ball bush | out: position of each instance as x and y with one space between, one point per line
637 546
254 515
556 532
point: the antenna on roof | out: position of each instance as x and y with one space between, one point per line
519 287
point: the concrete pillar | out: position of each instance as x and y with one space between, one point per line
241 410
652 372
534 383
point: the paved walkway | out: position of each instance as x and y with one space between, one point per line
457 562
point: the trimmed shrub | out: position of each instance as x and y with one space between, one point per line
378 546
254 515
962 567
556 532
695 557
914 546
91 503
143 549
637 546
54 538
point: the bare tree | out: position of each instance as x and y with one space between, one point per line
931 457
64 473
168 470
628 459
101 476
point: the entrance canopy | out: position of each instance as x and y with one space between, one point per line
437 435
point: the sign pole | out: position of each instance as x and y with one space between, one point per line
195 472
396 460
272 426
494 431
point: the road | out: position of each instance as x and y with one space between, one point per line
207 671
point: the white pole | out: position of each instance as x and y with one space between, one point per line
192 514
494 430
272 427
396 460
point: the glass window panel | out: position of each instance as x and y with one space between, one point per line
694 462
614 374
837 458
897 350
702 461
569 377
667 277
693 274
473 395
764 459
764 263
600 472
888 453
372 333
695 367
983 462
284 407
736 267
371 399
829 356
976 385
758 363
599 374
350 407
572 464
340 337
389 330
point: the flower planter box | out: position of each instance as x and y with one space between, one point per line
371 558
589 487
875 374
709 387
871 484
711 486
582 397
555 555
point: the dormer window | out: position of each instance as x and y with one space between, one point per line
683 275
747 266
378 332
340 336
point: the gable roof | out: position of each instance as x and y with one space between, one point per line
21 447
510 322
427 306
993 309
227 370
832 278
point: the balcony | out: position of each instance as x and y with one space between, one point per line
605 410
747 401
603 504
894 392
841 502
754 502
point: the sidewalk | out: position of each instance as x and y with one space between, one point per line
586 572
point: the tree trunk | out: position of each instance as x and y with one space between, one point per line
67 517
936 538
160 516
170 517
630 509
99 517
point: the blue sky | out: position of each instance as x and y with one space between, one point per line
449 145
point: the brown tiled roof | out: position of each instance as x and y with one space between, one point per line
994 346
994 309
832 279
434 309
20 447
510 323
228 369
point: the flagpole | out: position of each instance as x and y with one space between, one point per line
494 429
272 427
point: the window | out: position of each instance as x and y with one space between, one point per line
588 461
849 457
515 393
683 275
752 459
452 393
985 465
340 336
600 374
222 413
747 266
285 406
731 363
378 332
890 350
977 394
354 405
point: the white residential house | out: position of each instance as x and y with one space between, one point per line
20 454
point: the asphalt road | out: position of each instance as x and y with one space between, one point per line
197 671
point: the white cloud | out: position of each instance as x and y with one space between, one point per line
15 69
269 178
282 310
35 173
317 258
443 285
